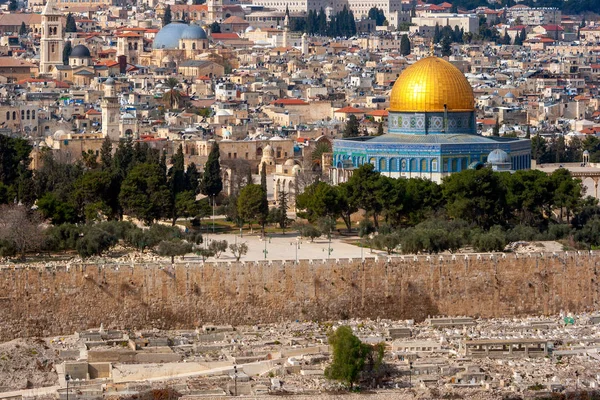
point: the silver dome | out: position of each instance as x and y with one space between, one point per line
168 37
193 32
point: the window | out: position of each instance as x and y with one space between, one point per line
8 115
28 114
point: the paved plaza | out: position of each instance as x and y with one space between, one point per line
289 247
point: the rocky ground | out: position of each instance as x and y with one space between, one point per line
27 363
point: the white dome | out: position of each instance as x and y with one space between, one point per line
60 135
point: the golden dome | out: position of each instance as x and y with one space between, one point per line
430 83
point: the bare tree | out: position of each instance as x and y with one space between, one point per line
21 227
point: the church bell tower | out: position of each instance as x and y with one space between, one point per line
110 111
52 42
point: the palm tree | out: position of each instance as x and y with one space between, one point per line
172 96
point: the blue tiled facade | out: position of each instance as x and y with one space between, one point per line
428 145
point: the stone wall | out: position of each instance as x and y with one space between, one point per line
60 300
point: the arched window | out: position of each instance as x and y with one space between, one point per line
32 114
28 114
14 115
382 164
203 45
434 165
394 164
403 165
373 161
193 46
423 165
130 46
183 45
8 115
22 115
413 165
135 46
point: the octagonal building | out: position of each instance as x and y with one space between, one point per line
432 131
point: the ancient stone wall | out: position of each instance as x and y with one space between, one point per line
61 300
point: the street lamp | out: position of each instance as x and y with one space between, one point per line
296 246
234 379
267 239
67 378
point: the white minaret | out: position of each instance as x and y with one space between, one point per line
286 30
110 111
51 43
305 45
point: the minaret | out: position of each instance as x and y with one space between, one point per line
305 45
51 43
110 111
286 29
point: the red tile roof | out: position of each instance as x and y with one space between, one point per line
379 113
224 36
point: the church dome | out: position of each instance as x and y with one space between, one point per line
430 83
498 156
193 32
168 37
80 51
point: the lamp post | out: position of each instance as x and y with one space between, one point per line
267 239
296 246
234 379
67 378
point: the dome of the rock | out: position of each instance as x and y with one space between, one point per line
428 85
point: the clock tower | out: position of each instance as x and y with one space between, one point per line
110 111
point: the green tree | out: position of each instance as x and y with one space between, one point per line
173 248
352 127
15 173
283 206
446 46
379 129
212 183
67 52
251 205
94 242
318 201
23 29
176 180
12 5
144 193
215 27
496 129
93 195
263 177
167 17
363 194
307 230
405 45
238 250
567 192
106 154
377 15
476 196
71 25
348 356
172 96
218 247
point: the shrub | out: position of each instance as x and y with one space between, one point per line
307 230
62 237
94 242
492 240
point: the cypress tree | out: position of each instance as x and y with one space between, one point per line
283 201
67 52
496 129
212 184
263 177
23 29
380 129
106 154
168 16
405 45
70 25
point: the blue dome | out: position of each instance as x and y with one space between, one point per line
498 157
194 32
168 37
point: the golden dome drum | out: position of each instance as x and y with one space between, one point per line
428 85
